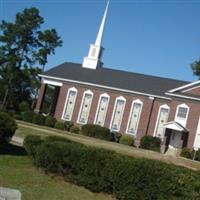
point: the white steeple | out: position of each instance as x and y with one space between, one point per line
93 60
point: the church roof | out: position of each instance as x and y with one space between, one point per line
135 82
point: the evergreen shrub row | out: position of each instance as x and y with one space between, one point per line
127 178
96 131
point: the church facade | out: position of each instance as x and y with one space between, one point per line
126 102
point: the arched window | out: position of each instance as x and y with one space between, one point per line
134 117
85 107
182 112
162 118
69 104
117 113
102 109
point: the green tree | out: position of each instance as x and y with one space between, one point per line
196 68
24 49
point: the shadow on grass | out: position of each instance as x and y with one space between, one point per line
11 149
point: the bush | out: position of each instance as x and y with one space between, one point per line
151 143
75 129
38 119
56 138
68 125
96 131
59 125
50 121
116 136
127 140
8 126
17 116
31 142
124 177
197 156
24 106
28 116
186 152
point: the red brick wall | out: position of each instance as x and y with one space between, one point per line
40 97
146 116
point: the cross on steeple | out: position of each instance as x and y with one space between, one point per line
93 60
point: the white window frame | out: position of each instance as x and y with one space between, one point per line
102 95
165 106
182 106
73 89
138 101
79 114
118 98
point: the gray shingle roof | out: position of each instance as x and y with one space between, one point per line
115 78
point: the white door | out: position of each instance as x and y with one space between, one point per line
175 140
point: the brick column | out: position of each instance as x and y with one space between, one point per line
41 93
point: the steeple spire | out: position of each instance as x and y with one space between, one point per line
93 60
101 29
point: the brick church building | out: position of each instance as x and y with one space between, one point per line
125 102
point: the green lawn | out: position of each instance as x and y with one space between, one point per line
17 172
27 129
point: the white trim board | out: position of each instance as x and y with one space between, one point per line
192 88
183 96
106 87
184 86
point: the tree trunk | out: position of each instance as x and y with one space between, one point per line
6 94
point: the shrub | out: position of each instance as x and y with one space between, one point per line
116 136
38 119
151 143
75 129
18 116
56 138
197 156
31 142
96 131
186 152
59 125
24 106
68 125
8 126
125 177
127 140
50 121
28 116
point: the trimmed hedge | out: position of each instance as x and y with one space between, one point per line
31 142
75 129
116 136
96 131
151 143
68 125
59 125
50 121
28 116
127 140
125 177
38 119
186 152
8 126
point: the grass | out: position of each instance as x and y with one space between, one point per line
17 172
27 129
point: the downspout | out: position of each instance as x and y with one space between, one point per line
151 111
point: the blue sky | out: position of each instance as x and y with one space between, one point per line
159 38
